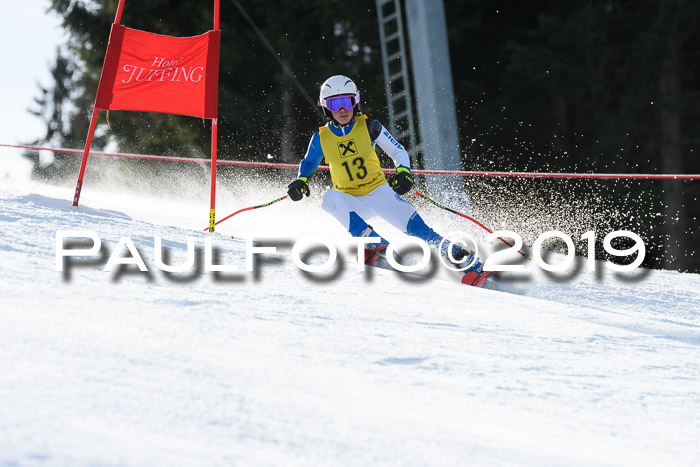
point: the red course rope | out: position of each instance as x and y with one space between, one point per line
608 176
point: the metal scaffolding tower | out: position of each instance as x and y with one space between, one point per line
432 78
396 77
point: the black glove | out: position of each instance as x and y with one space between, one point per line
402 181
298 188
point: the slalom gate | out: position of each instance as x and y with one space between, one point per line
149 72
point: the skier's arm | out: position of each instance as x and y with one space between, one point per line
402 181
300 187
313 157
390 146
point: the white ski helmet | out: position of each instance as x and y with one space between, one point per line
336 86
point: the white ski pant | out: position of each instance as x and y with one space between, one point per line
382 202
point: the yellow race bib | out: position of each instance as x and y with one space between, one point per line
354 165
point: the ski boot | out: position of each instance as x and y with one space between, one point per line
474 275
374 251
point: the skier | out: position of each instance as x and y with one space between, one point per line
361 190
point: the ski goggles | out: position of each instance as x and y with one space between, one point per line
335 103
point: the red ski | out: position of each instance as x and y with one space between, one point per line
474 278
377 258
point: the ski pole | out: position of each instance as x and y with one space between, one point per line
421 195
250 209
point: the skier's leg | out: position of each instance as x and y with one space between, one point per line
399 213
404 217
351 212
417 227
389 206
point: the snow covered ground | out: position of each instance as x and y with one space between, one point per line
359 368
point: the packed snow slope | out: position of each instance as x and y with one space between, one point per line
279 367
